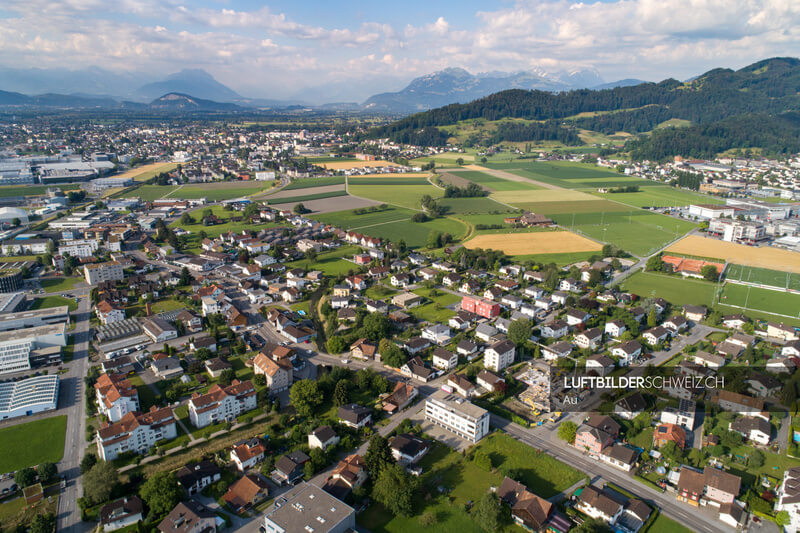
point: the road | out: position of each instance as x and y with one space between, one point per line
71 398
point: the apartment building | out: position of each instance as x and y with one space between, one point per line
100 272
222 404
457 415
307 507
115 396
135 432
499 355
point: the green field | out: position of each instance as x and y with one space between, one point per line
661 197
663 524
763 276
561 259
416 233
388 179
764 300
435 310
9 191
306 198
328 159
463 206
676 290
59 284
33 443
464 482
403 195
494 183
330 263
47 302
218 191
307 183
148 193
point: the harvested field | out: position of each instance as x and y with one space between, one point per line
509 176
552 195
329 205
344 165
763 257
290 193
145 172
534 243
458 181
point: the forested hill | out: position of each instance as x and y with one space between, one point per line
769 88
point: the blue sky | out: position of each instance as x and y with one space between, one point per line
353 48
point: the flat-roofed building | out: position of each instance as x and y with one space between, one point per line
34 318
28 396
307 508
100 272
457 415
16 346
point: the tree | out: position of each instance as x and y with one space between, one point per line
519 331
300 209
567 431
428 519
391 354
43 523
25 477
709 273
305 396
88 461
671 451
482 460
487 513
378 456
186 218
655 263
341 393
186 278
782 518
226 377
336 344
652 318
161 492
99 482
460 161
47 472
756 459
593 525
15 222
394 488
376 327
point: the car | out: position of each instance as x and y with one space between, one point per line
345 361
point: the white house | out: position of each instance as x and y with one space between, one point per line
499 355
444 359
222 404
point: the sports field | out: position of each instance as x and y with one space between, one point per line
32 443
764 300
762 256
544 242
763 276
344 165
675 289
660 197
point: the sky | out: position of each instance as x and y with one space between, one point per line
279 49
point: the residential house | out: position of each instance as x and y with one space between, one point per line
665 433
600 365
115 396
437 333
354 415
499 355
279 375
444 359
189 517
135 432
246 454
363 349
627 352
630 406
592 439
590 339
461 385
349 474
754 429
402 395
695 313
555 329
121 513
222 404
246 492
615 328
407 448
491 382
194 477
556 350
322 438
529 510
289 467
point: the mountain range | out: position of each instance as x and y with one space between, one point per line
448 86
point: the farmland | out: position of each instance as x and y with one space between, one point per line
146 172
660 197
331 263
210 191
306 198
763 276
307 183
353 163
494 183
348 220
10 191
402 195
763 257
148 193
460 206
534 243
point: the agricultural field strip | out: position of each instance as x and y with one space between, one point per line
763 257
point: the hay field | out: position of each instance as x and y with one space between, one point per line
549 242
543 195
763 257
145 172
344 165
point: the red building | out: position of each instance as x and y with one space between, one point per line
480 307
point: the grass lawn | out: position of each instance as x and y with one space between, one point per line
307 183
14 513
463 482
217 230
33 443
435 310
219 191
147 396
170 304
663 524
674 289
59 284
47 302
300 306
330 263
379 292
567 258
